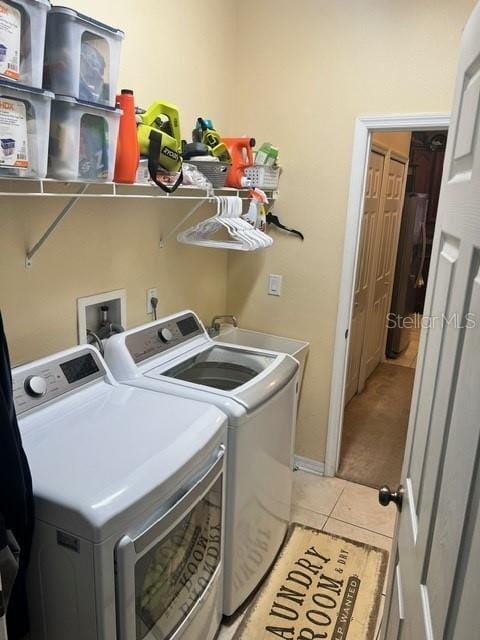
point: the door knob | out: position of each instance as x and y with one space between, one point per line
385 496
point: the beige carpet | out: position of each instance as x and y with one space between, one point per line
375 428
321 586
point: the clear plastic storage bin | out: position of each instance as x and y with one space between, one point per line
22 40
24 124
81 57
83 141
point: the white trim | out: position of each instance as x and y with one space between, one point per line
96 299
307 464
364 126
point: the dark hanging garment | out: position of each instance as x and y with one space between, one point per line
16 497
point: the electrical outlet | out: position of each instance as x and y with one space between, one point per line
151 293
275 285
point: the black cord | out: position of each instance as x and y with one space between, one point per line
154 303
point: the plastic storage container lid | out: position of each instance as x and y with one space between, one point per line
118 33
16 86
85 103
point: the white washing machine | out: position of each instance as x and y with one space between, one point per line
256 389
128 489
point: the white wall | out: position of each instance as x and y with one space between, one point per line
181 52
297 74
318 65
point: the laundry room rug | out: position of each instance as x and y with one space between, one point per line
321 586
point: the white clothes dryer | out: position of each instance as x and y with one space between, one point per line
257 391
128 489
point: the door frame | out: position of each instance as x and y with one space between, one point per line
365 126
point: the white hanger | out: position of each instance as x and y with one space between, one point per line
231 216
253 236
201 234
243 237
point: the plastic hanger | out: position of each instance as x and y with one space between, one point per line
273 219
242 236
259 237
240 226
228 217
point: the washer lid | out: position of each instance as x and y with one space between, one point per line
177 352
102 455
248 377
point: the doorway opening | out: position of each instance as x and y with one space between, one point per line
401 191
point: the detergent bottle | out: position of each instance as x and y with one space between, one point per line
240 150
128 153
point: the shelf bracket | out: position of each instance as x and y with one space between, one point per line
164 239
63 213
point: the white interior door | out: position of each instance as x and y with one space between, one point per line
373 188
437 580
381 288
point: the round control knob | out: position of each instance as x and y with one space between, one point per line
36 386
165 334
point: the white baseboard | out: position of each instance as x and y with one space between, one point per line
307 464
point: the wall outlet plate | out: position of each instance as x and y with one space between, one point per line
89 311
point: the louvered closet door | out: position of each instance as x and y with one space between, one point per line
437 579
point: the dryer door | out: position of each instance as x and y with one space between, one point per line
165 573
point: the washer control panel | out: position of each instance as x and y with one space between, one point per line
39 384
164 335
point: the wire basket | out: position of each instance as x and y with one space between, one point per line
214 171
263 176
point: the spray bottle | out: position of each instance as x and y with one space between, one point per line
256 214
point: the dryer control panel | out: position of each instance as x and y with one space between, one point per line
33 386
164 335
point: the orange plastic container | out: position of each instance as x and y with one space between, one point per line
241 152
128 152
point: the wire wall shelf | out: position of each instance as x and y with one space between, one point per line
77 190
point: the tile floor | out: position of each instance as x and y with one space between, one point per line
338 507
